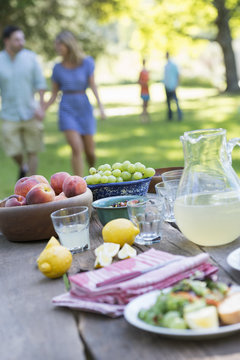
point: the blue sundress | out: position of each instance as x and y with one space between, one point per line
75 110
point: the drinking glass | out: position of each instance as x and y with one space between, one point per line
72 226
147 215
167 191
172 175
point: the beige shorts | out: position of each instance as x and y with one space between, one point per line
19 137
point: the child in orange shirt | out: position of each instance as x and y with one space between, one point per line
143 82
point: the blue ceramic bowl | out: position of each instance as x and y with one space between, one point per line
107 213
136 187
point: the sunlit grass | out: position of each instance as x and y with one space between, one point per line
122 135
63 151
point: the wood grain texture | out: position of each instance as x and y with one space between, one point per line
31 328
108 339
115 339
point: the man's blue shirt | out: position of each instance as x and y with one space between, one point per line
20 78
171 76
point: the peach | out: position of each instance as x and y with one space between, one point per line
60 196
40 193
40 178
24 184
57 180
15 200
74 185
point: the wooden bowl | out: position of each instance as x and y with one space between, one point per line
157 178
33 222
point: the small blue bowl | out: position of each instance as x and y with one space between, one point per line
135 187
107 213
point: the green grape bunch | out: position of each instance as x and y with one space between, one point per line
118 172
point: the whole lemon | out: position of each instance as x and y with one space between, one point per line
54 261
120 231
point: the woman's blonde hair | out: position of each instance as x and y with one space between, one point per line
75 55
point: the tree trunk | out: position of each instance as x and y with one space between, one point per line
224 38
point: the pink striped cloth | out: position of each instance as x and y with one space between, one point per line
111 299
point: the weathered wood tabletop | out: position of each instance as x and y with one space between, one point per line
32 328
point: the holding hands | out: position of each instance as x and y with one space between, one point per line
39 113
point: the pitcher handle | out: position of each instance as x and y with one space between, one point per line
230 146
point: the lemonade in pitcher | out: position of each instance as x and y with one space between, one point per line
207 207
213 219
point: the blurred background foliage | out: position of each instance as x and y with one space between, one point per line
145 26
202 36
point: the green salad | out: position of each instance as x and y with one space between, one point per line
190 304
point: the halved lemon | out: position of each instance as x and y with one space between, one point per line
205 318
127 251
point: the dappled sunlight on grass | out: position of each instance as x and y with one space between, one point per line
218 111
121 111
52 139
139 132
236 156
212 114
157 92
169 143
174 155
190 105
104 137
104 153
64 151
131 93
195 93
124 93
122 136
234 130
148 150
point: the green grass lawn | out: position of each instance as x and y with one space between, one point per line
123 137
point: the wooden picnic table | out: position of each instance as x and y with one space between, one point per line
31 328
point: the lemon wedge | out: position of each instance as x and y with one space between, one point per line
205 318
102 260
127 251
110 249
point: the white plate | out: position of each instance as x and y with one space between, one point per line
147 300
233 259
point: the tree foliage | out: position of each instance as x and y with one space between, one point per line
155 24
176 24
41 20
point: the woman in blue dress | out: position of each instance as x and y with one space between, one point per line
72 77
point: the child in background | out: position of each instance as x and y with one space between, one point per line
143 82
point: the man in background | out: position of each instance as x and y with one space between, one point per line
20 78
171 81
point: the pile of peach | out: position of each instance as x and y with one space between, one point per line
36 189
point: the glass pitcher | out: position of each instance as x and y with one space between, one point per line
207 207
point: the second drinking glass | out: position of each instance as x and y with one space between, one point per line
147 215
